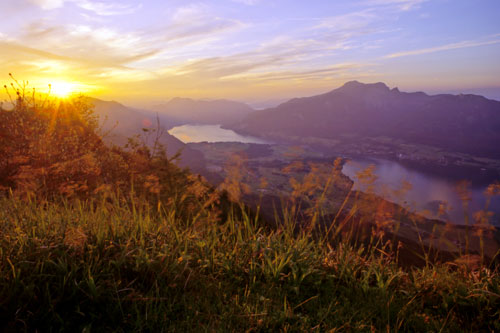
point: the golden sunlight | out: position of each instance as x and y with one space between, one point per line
63 89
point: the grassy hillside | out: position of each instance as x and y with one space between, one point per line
99 238
112 265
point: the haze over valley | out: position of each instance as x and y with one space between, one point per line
455 139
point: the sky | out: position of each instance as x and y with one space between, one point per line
145 52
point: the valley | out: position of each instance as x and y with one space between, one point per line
289 162
276 177
265 146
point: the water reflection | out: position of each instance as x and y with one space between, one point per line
432 196
209 133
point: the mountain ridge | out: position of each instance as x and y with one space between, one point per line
121 122
463 123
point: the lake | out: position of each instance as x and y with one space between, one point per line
210 133
426 194
426 191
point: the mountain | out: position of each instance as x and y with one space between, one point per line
186 111
461 123
119 122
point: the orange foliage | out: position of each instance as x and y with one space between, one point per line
51 147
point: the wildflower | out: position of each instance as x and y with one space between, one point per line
236 174
75 238
104 188
197 187
152 184
470 261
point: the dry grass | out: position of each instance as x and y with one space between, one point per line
107 265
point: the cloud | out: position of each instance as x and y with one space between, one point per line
96 52
189 13
48 4
403 5
247 2
311 74
343 29
220 67
282 58
348 31
102 8
107 45
96 55
195 23
107 8
347 22
369 20
9 47
188 33
197 45
446 47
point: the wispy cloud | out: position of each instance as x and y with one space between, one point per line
99 52
75 41
78 51
188 30
107 8
280 59
48 4
404 5
336 70
196 21
247 2
103 8
194 45
347 22
446 47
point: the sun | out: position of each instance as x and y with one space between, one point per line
62 89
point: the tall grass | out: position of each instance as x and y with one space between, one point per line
80 253
114 266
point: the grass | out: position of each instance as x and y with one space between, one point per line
76 254
109 265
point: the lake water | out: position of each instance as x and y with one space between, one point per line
210 133
425 191
425 194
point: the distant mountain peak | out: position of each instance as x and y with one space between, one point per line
181 100
353 83
456 123
358 85
114 103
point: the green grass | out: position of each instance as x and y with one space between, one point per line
112 266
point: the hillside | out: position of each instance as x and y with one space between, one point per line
98 238
186 110
120 122
461 123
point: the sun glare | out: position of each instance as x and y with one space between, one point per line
62 89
